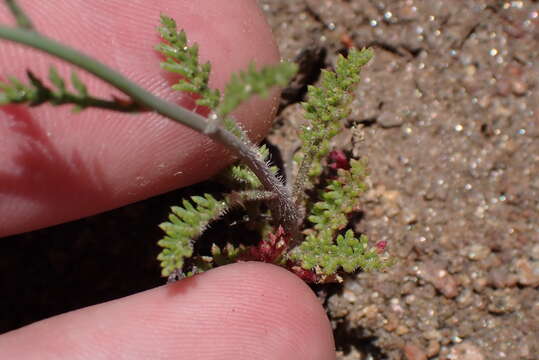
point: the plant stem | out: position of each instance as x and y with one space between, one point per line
298 190
283 209
22 20
105 73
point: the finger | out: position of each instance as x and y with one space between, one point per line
241 311
57 166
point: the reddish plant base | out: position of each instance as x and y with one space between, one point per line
269 250
381 246
272 249
338 160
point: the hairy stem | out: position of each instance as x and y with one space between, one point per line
298 190
283 209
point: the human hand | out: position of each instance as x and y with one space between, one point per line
57 167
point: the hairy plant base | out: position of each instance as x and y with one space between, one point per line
305 234
318 252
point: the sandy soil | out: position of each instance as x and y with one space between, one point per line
448 117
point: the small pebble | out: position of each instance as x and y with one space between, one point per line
439 278
502 302
414 352
388 120
433 349
392 322
402 330
477 252
501 278
528 272
432 335
349 296
466 298
519 87
409 217
466 351
535 252
338 307
371 311
480 284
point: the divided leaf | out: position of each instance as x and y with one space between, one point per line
244 177
325 107
339 198
347 252
36 93
186 223
329 103
245 84
182 59
326 251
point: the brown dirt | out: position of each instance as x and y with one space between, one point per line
448 117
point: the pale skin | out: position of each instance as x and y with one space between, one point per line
56 167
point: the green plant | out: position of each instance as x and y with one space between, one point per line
306 233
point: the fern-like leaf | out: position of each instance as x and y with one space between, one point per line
329 103
244 177
347 252
186 223
182 58
36 93
326 106
339 198
326 251
245 84
189 221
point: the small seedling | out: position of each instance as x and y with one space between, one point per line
302 224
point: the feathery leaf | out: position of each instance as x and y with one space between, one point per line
37 93
182 58
186 223
326 251
325 107
245 84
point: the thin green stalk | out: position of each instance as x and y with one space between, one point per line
298 190
283 208
112 77
22 20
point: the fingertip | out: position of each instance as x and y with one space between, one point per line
286 307
94 161
240 311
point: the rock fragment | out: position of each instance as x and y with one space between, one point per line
388 119
414 352
465 351
439 278
527 272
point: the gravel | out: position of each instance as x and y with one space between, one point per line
448 117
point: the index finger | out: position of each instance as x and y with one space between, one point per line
57 166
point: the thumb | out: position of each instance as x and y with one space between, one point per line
240 311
